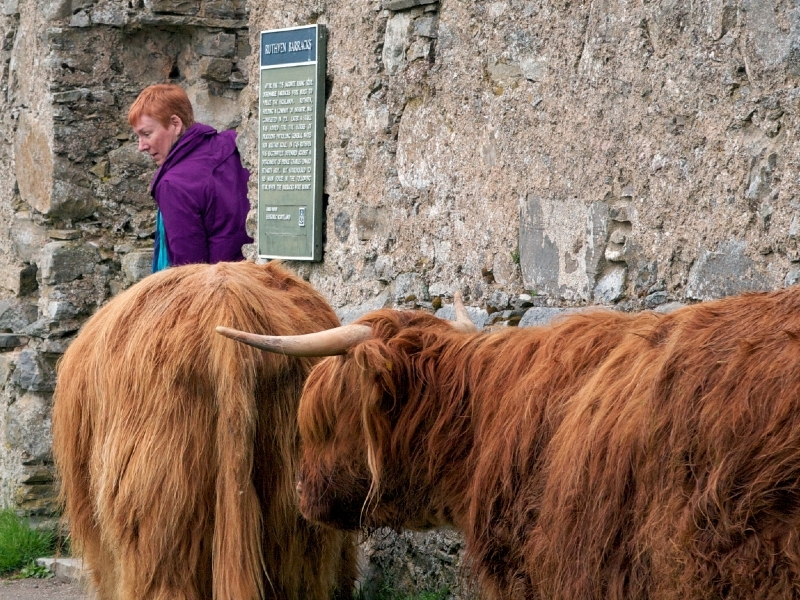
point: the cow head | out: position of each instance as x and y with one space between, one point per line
360 417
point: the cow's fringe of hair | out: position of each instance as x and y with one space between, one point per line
607 456
177 447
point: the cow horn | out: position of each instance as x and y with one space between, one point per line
321 343
462 322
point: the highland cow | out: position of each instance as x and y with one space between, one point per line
606 456
178 449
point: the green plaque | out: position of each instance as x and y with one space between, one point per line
291 143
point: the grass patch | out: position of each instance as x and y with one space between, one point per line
20 545
386 592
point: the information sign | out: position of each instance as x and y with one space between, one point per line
291 143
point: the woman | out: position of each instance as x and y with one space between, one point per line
200 186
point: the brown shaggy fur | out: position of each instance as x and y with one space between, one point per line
178 448
608 456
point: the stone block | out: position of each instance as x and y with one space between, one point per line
396 41
16 316
110 13
32 373
28 237
427 26
498 300
220 9
11 7
403 4
215 69
66 261
174 7
53 10
137 265
611 286
80 19
220 44
725 272
410 287
538 254
28 424
33 160
58 310
348 314
9 341
541 316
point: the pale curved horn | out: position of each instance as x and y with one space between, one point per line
321 343
462 322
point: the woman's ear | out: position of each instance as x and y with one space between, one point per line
176 122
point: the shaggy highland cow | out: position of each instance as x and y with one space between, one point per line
607 456
178 449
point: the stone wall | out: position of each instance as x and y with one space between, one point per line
534 154
76 218
621 153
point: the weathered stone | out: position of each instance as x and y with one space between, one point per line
33 160
55 9
218 44
58 310
80 19
63 234
32 373
348 314
38 475
409 287
215 69
66 261
176 7
137 265
396 42
655 299
538 254
9 341
541 316
792 277
341 226
16 316
11 7
534 68
28 237
403 4
426 26
504 73
478 316
498 300
725 272
37 500
223 9
108 12
611 285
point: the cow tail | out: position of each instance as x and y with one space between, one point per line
236 553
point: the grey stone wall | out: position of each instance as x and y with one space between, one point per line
76 218
537 155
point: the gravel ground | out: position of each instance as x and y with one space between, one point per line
41 589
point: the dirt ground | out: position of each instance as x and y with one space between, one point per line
41 589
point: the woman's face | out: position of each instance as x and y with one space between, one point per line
155 139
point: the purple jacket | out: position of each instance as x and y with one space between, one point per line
201 190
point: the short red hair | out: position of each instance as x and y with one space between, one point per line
160 102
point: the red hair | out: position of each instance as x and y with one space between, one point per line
160 102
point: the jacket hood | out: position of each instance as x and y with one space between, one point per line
220 146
